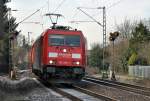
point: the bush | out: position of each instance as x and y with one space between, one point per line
132 59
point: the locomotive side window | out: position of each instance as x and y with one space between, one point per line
64 40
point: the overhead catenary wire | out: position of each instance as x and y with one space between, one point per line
31 22
31 14
28 16
48 5
61 3
75 14
107 7
53 13
41 12
42 8
114 4
81 21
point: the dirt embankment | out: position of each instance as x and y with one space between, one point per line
24 89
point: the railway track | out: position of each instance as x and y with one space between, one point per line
59 91
100 96
128 87
71 93
65 94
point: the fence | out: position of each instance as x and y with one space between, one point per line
139 71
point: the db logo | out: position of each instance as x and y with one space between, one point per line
64 55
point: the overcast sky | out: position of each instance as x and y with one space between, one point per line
117 11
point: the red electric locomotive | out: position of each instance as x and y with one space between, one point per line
59 55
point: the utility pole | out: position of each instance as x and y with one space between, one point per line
29 49
104 75
10 44
12 38
29 37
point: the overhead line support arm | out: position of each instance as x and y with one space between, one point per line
90 16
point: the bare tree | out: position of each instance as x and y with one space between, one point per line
126 28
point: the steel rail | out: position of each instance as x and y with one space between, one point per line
126 87
96 95
61 92
74 98
120 83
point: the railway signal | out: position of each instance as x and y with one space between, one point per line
112 38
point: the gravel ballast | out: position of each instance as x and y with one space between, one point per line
121 95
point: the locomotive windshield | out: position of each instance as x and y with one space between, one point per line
64 40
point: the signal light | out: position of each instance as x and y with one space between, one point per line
113 36
116 34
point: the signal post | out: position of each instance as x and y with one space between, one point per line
112 38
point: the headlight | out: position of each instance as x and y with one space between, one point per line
51 62
78 63
77 56
52 54
64 50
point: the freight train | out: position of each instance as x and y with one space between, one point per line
59 55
